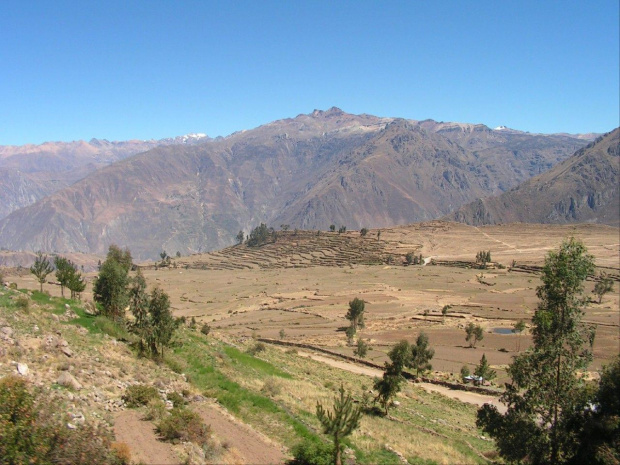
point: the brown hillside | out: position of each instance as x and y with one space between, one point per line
584 188
310 171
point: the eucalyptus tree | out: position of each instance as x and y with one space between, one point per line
547 398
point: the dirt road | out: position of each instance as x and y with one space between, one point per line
143 443
463 396
254 448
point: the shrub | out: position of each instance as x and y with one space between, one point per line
23 303
122 452
177 399
139 395
257 348
362 348
155 410
271 387
184 425
31 431
205 329
311 452
464 372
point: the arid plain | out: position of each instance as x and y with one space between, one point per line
259 292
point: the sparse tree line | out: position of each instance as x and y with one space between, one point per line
67 274
554 415
483 258
262 234
114 291
412 259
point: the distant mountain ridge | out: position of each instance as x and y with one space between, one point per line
326 167
583 188
30 172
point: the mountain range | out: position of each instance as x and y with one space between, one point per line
326 167
30 172
582 189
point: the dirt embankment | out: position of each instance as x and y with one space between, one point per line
251 446
247 445
142 440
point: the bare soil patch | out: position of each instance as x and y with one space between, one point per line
253 447
142 440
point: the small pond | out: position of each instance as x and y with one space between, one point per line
502 330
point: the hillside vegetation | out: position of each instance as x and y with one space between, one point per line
274 392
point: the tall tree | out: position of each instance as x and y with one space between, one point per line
63 272
389 384
518 328
599 441
240 237
421 355
483 370
110 287
41 268
473 334
604 285
75 282
162 322
546 393
355 314
340 422
120 256
139 307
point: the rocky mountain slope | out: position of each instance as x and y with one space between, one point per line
30 172
583 188
326 167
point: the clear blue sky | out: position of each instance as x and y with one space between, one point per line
126 69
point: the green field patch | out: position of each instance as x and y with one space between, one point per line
257 364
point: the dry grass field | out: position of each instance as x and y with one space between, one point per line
302 285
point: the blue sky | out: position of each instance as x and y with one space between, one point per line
127 69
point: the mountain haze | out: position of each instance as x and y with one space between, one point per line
30 172
326 167
583 188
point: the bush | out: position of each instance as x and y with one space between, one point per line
112 328
271 387
23 303
122 452
183 425
177 399
155 410
257 348
139 395
205 329
31 431
312 453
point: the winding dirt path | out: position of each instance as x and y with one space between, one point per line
143 443
463 396
253 447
